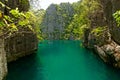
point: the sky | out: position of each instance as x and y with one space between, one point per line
45 3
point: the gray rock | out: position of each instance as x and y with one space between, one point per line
3 61
117 49
109 49
101 53
56 19
117 57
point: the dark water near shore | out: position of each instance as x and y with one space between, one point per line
61 60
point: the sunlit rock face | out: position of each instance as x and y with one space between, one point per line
56 19
3 61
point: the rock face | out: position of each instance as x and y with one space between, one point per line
106 45
17 44
57 17
110 7
20 44
3 61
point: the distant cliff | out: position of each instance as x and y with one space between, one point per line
56 19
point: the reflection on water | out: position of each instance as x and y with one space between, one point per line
61 60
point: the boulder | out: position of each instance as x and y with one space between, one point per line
117 57
109 49
117 49
101 53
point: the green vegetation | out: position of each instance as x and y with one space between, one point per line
37 22
19 21
80 19
16 20
99 31
68 20
116 16
56 19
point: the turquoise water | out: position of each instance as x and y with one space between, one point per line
61 60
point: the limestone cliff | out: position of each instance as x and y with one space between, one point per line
106 44
20 44
3 61
14 44
56 19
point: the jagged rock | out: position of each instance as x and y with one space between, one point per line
117 49
20 44
3 61
101 53
113 44
109 49
15 46
117 57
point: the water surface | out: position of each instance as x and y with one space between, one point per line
61 60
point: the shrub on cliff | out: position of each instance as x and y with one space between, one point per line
80 19
116 16
18 21
98 31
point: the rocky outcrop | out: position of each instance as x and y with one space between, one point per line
56 19
107 45
20 44
3 61
15 44
110 7
98 32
